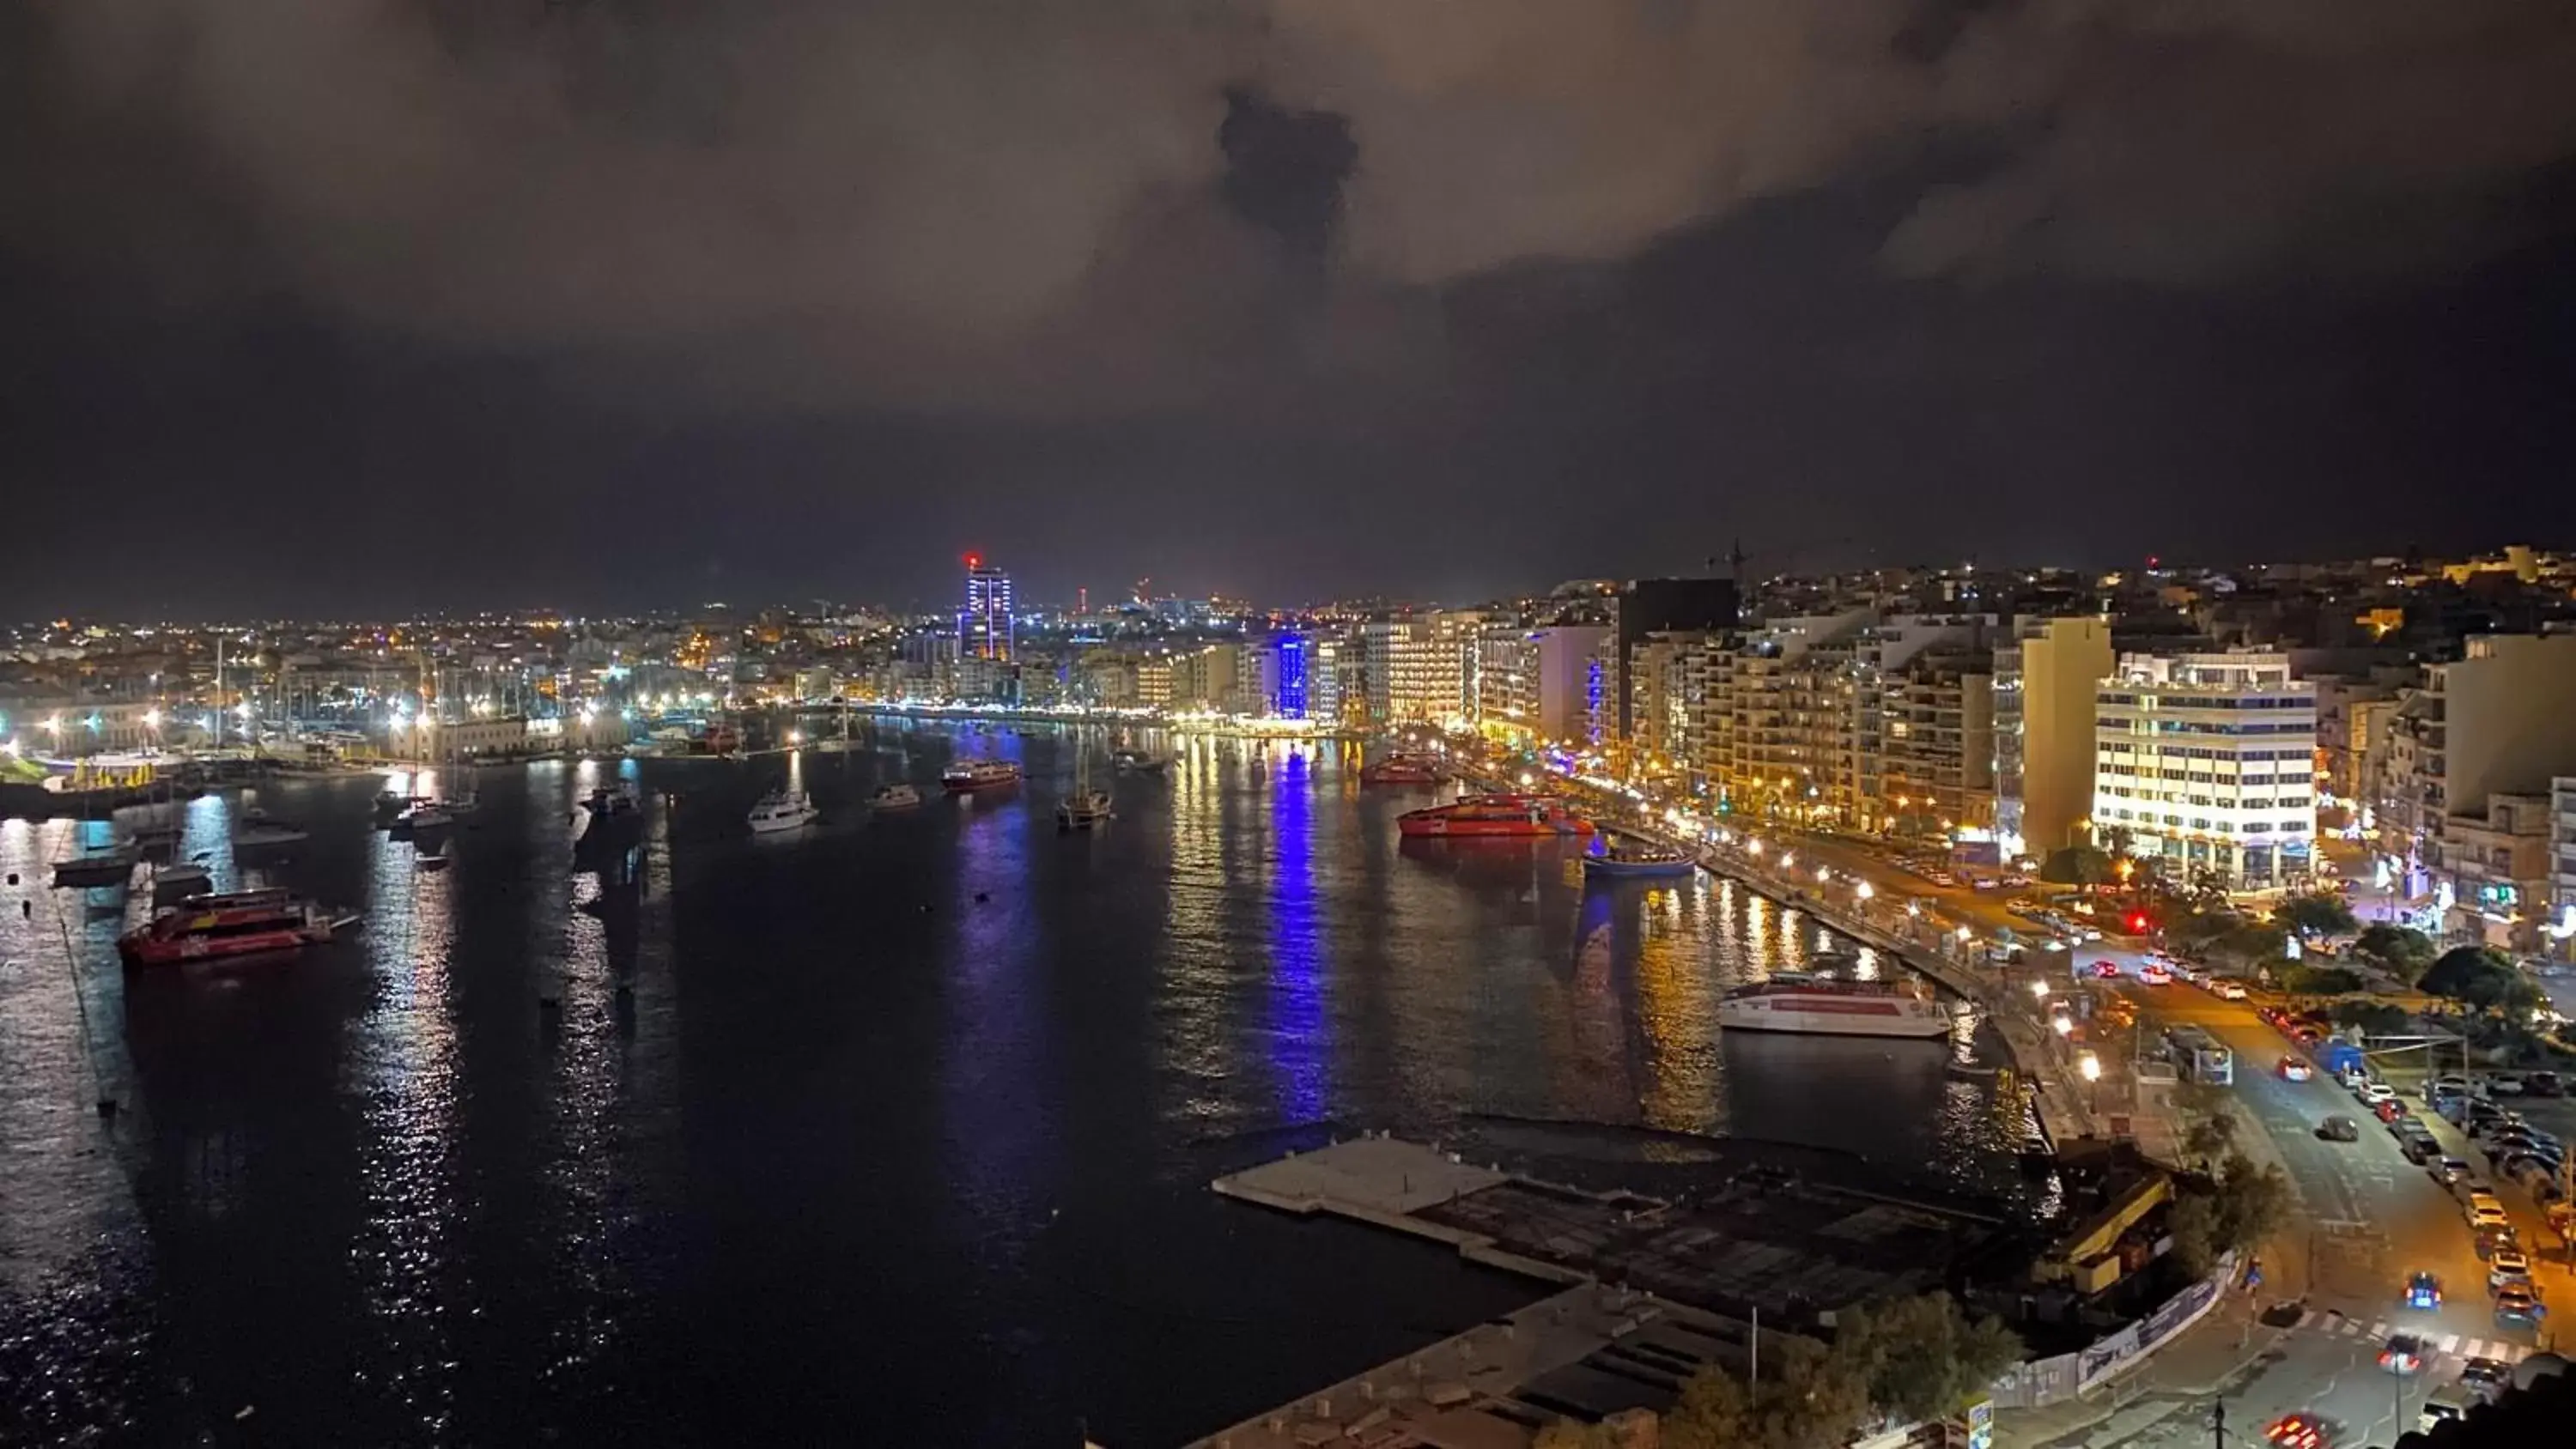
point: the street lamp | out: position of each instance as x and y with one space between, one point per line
1863 890
1823 874
2039 989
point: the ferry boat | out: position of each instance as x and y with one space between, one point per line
898 796
1082 810
1494 816
970 775
1401 770
782 810
1638 862
1822 1005
213 926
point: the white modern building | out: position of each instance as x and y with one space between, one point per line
2208 760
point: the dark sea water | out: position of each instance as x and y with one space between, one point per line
900 1131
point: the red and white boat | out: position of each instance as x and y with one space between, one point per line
967 776
1401 770
209 927
1825 1006
1494 816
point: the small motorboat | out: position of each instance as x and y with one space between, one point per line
422 817
897 796
173 881
436 860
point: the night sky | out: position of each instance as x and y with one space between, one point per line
351 306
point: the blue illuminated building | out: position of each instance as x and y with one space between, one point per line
1292 677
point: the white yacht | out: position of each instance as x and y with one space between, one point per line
1825 1005
782 810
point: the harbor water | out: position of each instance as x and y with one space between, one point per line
891 1129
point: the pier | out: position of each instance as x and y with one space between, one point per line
1649 1290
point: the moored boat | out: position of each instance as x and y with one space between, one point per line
1802 1002
971 775
112 866
421 817
780 810
1401 769
1494 816
1082 810
210 927
1638 862
1136 762
898 796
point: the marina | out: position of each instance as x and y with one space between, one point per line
1067 1042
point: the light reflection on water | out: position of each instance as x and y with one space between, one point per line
785 1084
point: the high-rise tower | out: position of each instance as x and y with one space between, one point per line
984 624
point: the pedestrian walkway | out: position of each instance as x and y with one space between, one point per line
2447 1350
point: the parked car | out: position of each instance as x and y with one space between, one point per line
2519 1308
2227 988
2155 975
2507 1263
2488 1376
2418 1146
2484 1211
2447 1170
2295 1069
2504 1086
2374 1093
2389 1109
2542 1084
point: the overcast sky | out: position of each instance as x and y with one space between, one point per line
339 306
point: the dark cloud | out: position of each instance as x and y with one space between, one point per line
1444 257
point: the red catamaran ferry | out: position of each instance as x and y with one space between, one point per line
205 928
1494 815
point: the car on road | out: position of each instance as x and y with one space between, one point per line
2295 1069
2485 1211
2507 1264
2106 969
2486 1375
2449 1404
2542 1084
2300 1431
2371 1091
2493 1240
2502 1086
2155 975
2389 1110
2402 1354
2227 988
2419 1145
2339 1129
2447 1170
2423 1290
2519 1307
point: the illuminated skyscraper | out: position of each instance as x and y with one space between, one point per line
984 624
1291 694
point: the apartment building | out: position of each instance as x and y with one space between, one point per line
2559 932
2208 760
2500 721
1543 685
2045 687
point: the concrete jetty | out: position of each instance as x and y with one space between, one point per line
1651 1290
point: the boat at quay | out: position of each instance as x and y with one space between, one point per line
1494 816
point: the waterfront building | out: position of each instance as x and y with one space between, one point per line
984 629
1935 746
2207 760
2045 688
2560 931
1645 607
1541 686
2498 721
1154 681
1288 695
